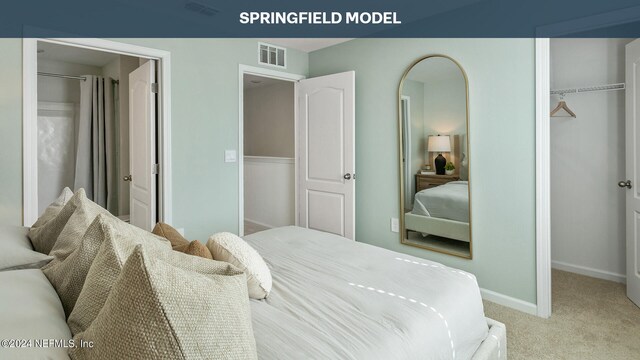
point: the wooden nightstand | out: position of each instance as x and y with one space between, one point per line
430 181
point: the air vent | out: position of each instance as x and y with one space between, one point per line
200 8
272 55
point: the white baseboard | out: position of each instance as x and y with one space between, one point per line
509 301
587 271
259 223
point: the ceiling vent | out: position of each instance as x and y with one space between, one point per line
200 8
272 55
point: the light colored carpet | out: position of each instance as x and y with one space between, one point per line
591 319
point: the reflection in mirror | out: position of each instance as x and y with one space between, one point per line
433 120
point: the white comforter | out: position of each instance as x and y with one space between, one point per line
448 201
334 298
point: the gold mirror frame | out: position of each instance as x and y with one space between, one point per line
401 161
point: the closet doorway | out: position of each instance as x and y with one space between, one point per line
268 156
93 120
590 159
323 189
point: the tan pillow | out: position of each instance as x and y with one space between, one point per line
232 249
44 236
174 313
171 234
106 267
54 208
78 223
68 276
179 243
195 248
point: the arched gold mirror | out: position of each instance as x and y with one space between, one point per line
433 119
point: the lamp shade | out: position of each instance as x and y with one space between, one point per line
439 143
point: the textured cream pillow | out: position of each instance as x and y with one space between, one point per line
106 267
69 239
232 249
159 310
68 276
44 236
54 208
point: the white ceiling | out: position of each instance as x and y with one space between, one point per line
306 45
74 54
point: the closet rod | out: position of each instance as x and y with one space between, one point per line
611 87
69 76
62 76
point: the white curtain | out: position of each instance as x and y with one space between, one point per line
95 152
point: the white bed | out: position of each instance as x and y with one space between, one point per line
442 210
334 298
449 201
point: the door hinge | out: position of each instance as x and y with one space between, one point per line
155 169
154 88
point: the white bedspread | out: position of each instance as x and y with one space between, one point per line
448 201
334 298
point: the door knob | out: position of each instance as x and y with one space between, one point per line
626 184
347 176
127 178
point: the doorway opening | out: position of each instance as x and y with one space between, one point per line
589 150
269 148
96 118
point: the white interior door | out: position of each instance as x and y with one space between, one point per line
142 145
326 138
632 169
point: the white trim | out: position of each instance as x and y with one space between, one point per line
269 159
259 223
274 74
587 271
29 131
407 150
509 301
29 113
543 180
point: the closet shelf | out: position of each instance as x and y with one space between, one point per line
609 87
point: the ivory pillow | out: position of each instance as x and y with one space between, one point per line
174 313
68 276
232 249
44 236
54 208
105 269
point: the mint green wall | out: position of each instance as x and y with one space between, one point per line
502 154
204 75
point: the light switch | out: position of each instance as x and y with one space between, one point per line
395 225
230 156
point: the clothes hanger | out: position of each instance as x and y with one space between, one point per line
562 105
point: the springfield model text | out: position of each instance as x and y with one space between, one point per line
318 18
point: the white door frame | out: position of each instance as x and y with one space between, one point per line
30 117
407 146
273 74
543 180
543 139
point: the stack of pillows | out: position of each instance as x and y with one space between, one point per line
142 295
